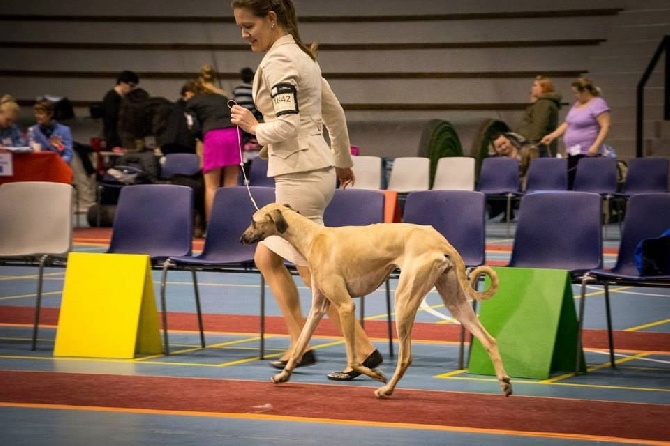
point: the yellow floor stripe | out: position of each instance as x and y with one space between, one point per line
649 325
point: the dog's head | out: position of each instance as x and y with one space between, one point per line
268 220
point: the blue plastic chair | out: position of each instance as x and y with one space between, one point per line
560 230
547 174
646 175
459 217
258 173
222 250
355 207
180 164
648 216
499 179
359 207
596 174
153 219
499 175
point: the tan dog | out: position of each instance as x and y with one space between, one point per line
353 261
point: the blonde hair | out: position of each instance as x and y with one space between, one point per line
585 84
9 106
209 75
546 85
286 18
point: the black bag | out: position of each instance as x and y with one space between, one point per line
652 255
126 175
145 161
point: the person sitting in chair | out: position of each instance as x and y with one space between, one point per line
511 145
48 134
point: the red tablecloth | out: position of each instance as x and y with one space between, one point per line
39 166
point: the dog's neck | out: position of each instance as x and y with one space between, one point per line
300 231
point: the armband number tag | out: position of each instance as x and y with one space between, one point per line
284 99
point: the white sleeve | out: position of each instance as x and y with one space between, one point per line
336 123
281 75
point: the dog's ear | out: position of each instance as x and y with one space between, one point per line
279 221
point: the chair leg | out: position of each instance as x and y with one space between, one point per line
75 190
580 325
38 301
606 214
361 310
262 317
610 335
166 345
467 361
389 323
461 349
508 214
198 307
98 208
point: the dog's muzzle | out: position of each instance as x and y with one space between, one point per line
249 238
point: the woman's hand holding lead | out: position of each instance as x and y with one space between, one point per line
243 118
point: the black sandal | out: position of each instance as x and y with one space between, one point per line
308 358
372 362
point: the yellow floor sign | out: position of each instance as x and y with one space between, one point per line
108 308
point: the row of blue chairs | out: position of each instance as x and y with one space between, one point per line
500 175
555 230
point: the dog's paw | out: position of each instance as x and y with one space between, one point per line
378 376
280 377
506 386
384 392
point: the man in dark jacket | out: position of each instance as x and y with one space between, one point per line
111 104
177 137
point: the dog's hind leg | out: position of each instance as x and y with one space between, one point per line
416 280
455 300
317 310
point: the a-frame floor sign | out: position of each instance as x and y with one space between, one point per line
108 308
533 318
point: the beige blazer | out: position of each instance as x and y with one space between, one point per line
296 103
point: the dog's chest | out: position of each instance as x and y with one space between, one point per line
365 282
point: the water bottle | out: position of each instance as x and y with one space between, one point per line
31 140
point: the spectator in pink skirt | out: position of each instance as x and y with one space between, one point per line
208 116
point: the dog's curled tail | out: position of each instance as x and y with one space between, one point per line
474 278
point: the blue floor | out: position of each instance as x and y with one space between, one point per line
641 377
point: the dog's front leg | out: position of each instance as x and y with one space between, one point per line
344 303
317 310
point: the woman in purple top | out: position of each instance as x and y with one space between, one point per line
585 127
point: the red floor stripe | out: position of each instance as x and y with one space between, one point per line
626 340
341 402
